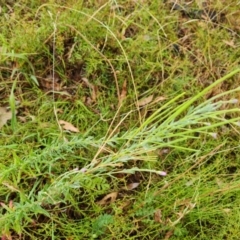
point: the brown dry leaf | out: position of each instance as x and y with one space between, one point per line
168 234
163 151
11 204
22 119
94 93
5 115
88 101
131 186
158 216
145 101
159 99
123 93
49 83
68 126
230 43
109 198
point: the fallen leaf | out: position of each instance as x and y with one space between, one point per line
145 101
22 119
94 93
68 126
5 115
88 101
123 93
163 151
51 83
159 99
109 198
131 186
158 216
11 204
168 234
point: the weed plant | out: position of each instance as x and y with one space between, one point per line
152 89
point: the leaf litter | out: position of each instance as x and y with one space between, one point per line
145 101
5 115
68 126
109 198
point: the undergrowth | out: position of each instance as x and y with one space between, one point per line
125 120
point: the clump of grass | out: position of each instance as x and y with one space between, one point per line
114 154
166 170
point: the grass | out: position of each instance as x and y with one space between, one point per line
153 92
